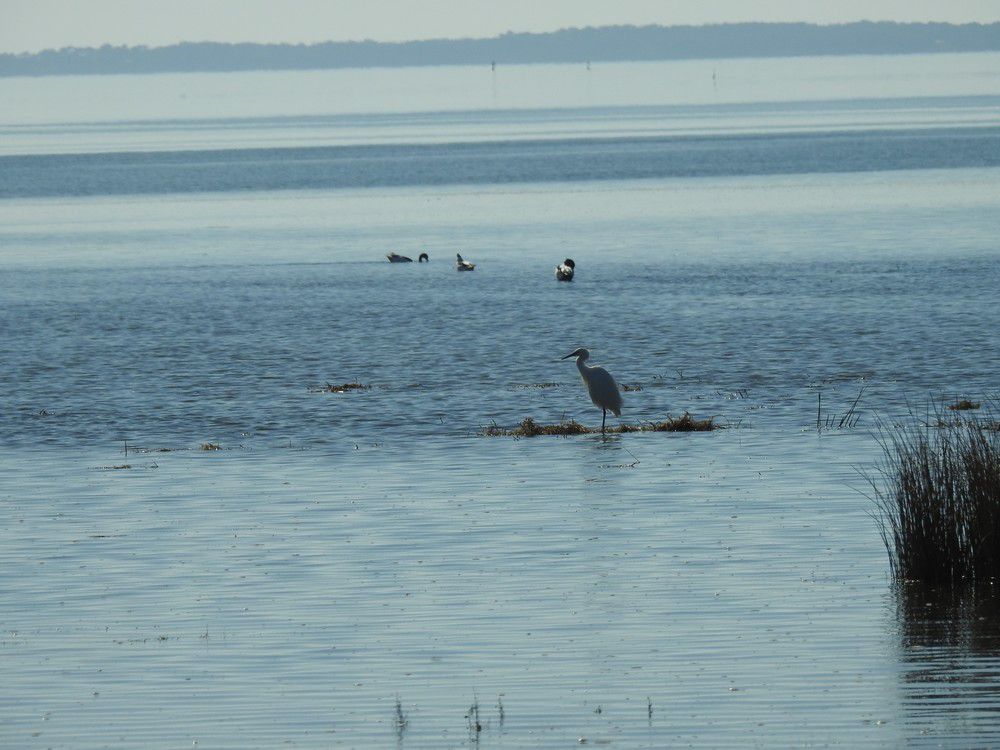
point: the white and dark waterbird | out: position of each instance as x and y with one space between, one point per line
600 384
564 271
463 265
397 258
424 258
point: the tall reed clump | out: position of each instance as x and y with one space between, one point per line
937 496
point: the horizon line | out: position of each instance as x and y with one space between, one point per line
108 45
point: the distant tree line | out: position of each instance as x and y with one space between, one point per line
606 43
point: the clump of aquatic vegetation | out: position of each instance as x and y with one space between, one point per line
341 388
685 423
211 447
964 405
530 428
937 501
962 413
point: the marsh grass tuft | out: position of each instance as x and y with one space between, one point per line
211 447
530 428
937 502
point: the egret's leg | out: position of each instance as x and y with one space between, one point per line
604 415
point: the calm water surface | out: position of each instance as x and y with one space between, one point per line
342 552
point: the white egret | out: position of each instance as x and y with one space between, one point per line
463 265
424 258
601 386
397 258
564 271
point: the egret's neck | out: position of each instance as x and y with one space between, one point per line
581 365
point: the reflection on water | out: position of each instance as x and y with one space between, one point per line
950 662
271 597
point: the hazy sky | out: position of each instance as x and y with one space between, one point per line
31 25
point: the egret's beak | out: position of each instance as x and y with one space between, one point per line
571 354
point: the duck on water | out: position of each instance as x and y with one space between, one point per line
565 270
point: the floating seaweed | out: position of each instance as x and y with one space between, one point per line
965 405
530 428
341 388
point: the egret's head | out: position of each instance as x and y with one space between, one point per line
582 353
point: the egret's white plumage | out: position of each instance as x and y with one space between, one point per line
565 270
397 258
463 265
601 386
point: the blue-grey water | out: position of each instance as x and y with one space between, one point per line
493 163
196 274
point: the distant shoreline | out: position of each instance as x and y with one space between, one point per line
589 45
